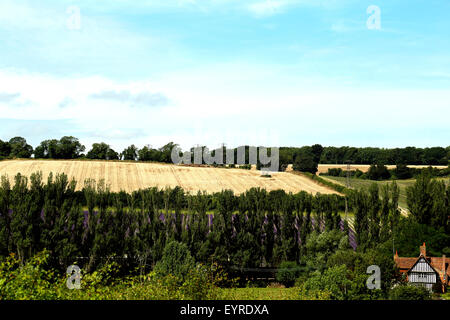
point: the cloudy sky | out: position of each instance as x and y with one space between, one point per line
265 72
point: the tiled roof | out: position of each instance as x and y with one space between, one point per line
437 263
406 263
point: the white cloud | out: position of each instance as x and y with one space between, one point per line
264 8
22 15
215 104
267 7
340 27
29 14
145 99
8 97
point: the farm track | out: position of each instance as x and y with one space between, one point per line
130 176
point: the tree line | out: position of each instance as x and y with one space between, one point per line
407 155
377 217
253 229
303 159
301 234
381 172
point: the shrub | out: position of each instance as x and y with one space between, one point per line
200 283
402 172
335 172
287 273
409 292
378 172
305 162
334 280
28 282
176 261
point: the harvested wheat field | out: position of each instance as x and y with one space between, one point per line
130 176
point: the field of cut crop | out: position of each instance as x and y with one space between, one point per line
131 176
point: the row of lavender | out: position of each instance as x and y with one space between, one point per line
320 228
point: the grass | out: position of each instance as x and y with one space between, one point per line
339 188
260 293
365 184
445 296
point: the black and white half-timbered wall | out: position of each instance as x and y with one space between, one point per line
422 273
430 272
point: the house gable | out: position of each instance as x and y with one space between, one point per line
422 265
424 270
423 273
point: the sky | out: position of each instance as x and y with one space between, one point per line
258 72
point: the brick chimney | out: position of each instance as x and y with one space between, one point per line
443 267
423 250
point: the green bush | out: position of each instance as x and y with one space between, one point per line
33 282
339 283
176 261
335 172
409 292
402 171
28 282
287 273
199 283
378 172
304 162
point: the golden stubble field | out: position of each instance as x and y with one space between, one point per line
130 176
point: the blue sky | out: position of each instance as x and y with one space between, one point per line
266 72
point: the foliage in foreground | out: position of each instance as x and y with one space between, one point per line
287 273
409 292
30 282
176 261
34 281
260 293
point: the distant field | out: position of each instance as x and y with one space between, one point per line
362 183
131 176
323 168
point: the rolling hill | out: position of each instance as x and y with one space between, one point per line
131 176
